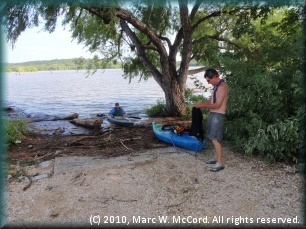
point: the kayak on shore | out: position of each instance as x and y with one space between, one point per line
183 141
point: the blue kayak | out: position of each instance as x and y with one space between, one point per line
183 141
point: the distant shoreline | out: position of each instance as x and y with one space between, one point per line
57 70
52 65
63 70
57 65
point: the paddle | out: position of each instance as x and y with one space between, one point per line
104 116
101 115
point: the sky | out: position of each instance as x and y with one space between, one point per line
34 44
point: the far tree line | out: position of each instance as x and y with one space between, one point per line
57 64
49 65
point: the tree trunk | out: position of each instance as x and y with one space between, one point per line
174 97
175 104
88 122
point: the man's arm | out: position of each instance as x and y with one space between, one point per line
111 112
123 112
222 90
202 104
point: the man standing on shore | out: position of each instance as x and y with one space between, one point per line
215 122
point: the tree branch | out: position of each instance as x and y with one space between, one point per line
140 51
175 46
149 47
187 44
166 39
198 53
119 44
194 10
76 21
93 11
130 18
226 40
195 71
214 14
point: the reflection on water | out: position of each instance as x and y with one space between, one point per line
64 92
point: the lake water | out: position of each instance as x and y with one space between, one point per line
61 93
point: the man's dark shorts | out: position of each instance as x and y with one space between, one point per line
215 124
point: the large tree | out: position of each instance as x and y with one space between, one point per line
156 35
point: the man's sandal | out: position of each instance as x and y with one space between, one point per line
211 161
217 168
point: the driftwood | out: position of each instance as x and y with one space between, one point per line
69 117
37 120
88 122
29 184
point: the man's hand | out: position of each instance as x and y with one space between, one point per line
201 104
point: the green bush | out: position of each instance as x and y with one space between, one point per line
264 90
156 110
272 142
275 141
15 130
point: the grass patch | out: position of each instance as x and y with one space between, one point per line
15 130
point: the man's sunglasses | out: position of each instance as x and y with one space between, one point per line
208 80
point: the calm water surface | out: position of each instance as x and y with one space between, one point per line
61 93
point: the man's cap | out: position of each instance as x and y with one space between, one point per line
116 104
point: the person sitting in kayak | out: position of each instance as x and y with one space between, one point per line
117 111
